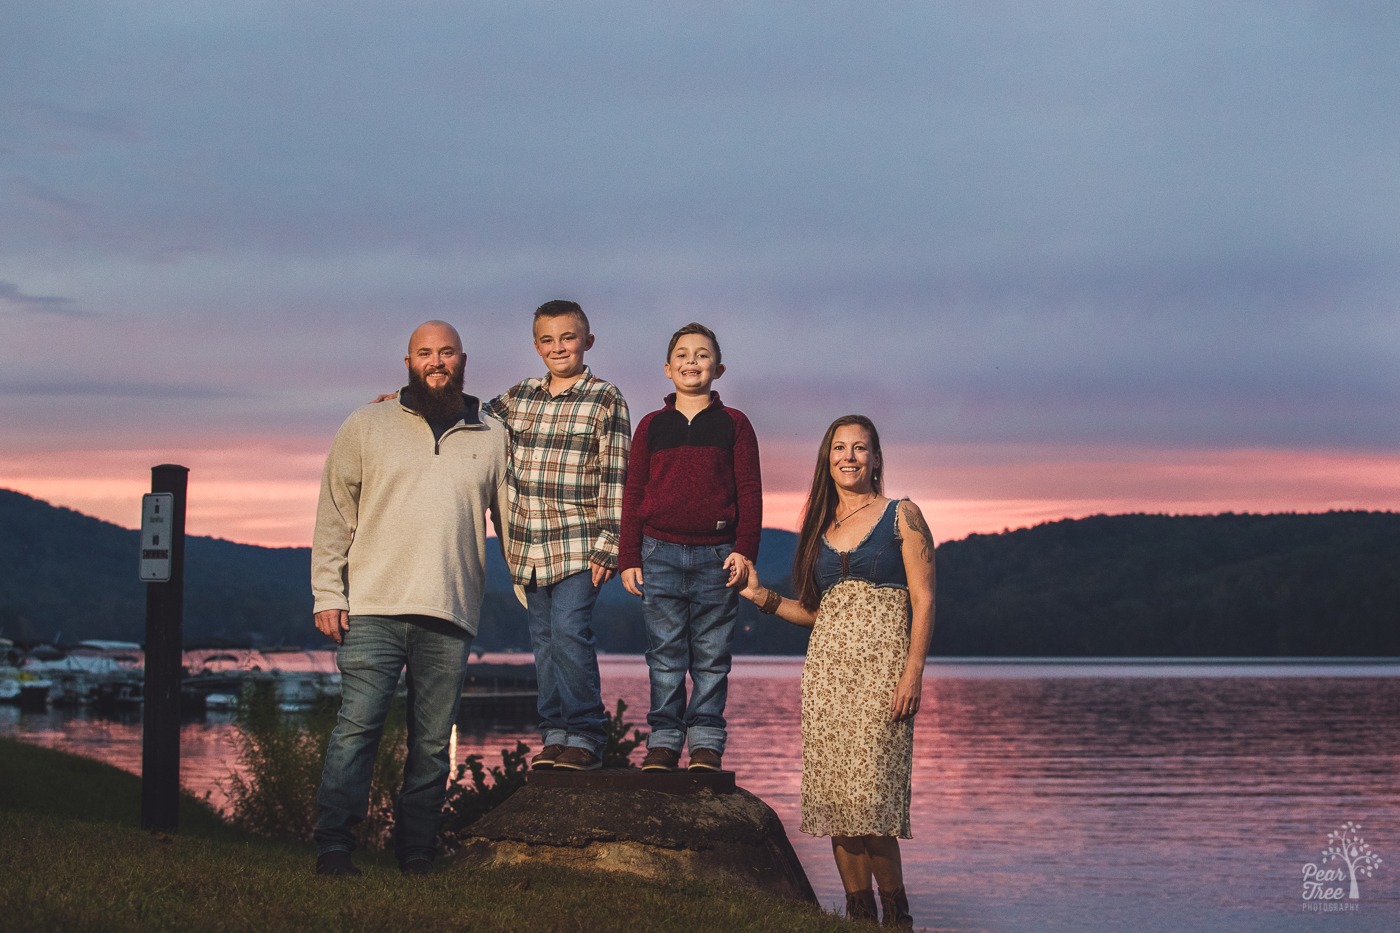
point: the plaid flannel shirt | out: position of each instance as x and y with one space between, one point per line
568 466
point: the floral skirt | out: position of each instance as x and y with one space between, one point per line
856 763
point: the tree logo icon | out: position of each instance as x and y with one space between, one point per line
1345 847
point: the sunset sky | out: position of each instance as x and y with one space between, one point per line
1072 257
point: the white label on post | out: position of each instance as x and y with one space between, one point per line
157 528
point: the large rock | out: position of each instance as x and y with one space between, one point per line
659 826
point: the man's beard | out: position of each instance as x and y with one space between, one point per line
437 403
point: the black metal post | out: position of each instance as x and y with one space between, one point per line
165 610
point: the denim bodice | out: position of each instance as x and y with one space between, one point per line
877 560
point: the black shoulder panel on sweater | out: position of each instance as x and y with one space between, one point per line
711 428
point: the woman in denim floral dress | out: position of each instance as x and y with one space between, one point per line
864 573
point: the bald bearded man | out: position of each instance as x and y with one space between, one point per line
398 570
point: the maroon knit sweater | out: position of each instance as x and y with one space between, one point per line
692 482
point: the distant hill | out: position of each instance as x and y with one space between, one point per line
72 576
1282 585
68 576
1127 585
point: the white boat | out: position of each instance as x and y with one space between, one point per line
300 677
77 678
128 654
9 683
19 684
220 702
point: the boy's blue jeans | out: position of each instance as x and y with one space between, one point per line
566 662
374 652
690 617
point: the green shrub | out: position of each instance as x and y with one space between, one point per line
618 752
280 756
467 803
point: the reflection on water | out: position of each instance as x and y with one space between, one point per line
1049 797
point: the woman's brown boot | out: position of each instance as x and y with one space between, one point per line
861 906
896 908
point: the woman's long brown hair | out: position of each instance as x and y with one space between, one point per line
821 509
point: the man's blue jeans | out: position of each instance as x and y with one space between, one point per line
376 650
566 662
690 615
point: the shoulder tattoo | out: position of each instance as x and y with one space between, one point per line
916 524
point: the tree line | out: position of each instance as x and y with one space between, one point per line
1279 585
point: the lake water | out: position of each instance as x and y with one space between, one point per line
1053 797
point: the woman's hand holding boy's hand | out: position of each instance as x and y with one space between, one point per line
740 569
752 588
632 580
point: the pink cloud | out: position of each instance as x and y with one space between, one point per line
264 492
253 490
987 488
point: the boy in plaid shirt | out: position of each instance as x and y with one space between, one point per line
569 438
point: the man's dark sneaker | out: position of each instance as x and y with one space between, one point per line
704 759
661 759
544 758
577 759
417 866
335 863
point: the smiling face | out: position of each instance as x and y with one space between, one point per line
561 341
692 365
435 359
853 459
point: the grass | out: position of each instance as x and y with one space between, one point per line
74 858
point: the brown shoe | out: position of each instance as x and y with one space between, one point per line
704 759
574 758
544 759
417 866
895 905
661 759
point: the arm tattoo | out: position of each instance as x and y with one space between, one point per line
918 526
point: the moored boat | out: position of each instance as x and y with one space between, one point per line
18 684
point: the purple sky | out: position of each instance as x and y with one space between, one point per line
1071 257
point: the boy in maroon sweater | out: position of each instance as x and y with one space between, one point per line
692 512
